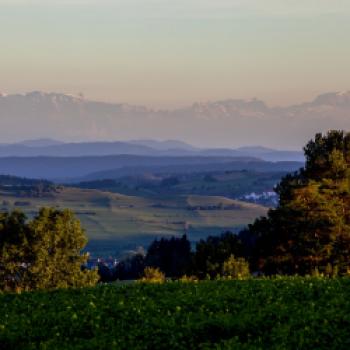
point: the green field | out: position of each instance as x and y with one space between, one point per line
283 313
232 184
110 216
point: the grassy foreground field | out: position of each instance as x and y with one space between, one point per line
286 313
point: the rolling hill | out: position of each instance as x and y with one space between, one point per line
115 222
104 167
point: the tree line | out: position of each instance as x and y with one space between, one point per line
175 259
307 233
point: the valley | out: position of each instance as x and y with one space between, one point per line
125 201
115 222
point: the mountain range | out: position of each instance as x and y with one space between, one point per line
84 161
170 148
230 122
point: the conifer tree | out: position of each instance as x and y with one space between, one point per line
310 228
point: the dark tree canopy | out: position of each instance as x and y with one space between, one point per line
130 268
212 252
310 228
43 253
172 256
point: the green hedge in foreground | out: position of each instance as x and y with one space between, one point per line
285 313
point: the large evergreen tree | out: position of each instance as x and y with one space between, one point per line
43 253
310 228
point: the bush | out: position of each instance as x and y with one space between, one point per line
235 268
188 279
153 275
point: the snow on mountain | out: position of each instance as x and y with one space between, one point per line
233 122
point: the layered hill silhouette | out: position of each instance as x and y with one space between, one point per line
107 167
170 148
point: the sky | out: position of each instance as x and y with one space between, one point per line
170 53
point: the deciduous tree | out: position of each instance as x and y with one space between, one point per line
43 253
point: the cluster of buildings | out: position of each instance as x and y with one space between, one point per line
268 197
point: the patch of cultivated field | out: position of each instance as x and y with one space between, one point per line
283 313
107 215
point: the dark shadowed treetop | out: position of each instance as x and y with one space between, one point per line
212 252
172 256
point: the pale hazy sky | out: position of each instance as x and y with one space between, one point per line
173 52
